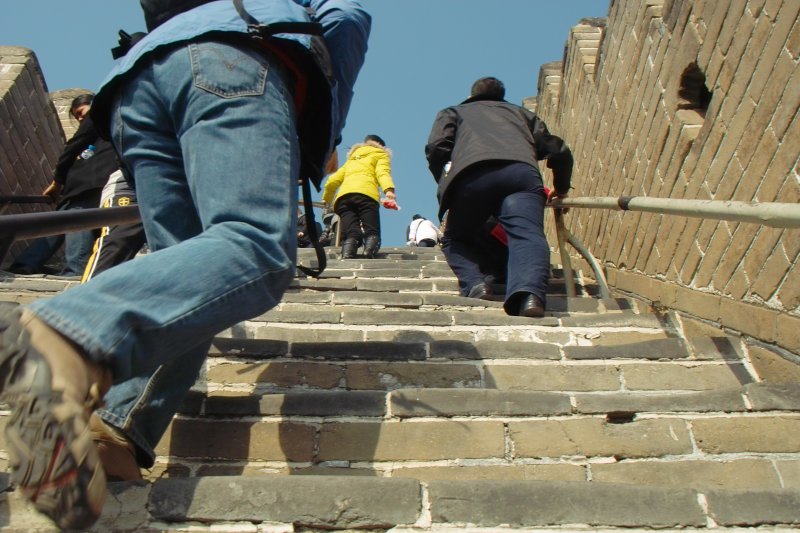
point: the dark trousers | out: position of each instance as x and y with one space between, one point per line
116 244
514 194
357 212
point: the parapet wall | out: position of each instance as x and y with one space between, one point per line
32 136
35 124
692 99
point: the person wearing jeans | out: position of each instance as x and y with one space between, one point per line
205 120
484 156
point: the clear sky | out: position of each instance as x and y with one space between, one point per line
423 56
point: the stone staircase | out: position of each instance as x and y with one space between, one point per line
375 398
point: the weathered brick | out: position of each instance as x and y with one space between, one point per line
788 332
238 441
393 317
478 350
360 350
790 473
371 503
651 349
593 437
553 377
747 434
421 441
771 367
665 376
557 472
749 319
739 474
541 503
408 403
301 403
750 507
728 400
281 374
388 376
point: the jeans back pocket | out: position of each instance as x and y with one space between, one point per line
226 70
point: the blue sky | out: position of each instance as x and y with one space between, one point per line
423 56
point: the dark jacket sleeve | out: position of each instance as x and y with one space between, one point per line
85 136
441 141
555 150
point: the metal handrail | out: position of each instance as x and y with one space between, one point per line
34 225
774 214
26 199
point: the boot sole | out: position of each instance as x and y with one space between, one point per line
53 459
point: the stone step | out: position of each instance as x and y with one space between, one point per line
303 503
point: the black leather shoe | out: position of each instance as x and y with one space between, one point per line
482 291
531 306
479 291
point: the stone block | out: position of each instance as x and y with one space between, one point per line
702 475
790 473
394 285
280 374
300 403
300 315
595 437
788 329
360 350
763 434
361 317
479 350
555 472
774 397
729 400
406 441
553 503
753 320
238 441
753 507
314 501
411 301
651 349
410 403
260 348
636 320
553 377
696 377
386 376
772 368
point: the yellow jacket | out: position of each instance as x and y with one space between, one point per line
367 168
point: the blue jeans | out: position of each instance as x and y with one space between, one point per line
77 245
512 192
208 131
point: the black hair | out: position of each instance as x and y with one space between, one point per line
83 99
374 138
417 217
489 87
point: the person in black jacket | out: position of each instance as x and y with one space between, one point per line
81 172
493 148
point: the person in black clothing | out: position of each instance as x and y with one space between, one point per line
81 172
493 148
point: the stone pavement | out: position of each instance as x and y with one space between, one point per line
375 398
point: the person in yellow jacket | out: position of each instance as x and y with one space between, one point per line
354 192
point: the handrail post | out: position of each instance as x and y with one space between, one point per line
566 264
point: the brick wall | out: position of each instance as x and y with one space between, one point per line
34 125
697 100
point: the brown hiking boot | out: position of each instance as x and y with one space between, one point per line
117 453
51 388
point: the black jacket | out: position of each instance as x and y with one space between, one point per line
480 130
85 176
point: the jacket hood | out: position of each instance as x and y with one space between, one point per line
373 144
